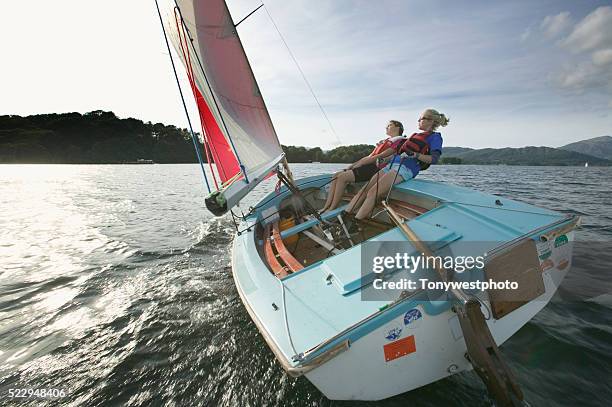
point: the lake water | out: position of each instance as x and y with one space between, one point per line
115 287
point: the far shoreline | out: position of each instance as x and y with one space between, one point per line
339 163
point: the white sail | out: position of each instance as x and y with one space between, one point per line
236 123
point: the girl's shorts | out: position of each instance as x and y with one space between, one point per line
403 171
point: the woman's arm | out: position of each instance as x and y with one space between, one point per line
429 159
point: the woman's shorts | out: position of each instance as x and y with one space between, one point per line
365 172
403 171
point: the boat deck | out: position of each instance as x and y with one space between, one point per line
324 297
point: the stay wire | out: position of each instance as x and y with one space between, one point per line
303 76
193 137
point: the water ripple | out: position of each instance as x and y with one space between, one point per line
116 286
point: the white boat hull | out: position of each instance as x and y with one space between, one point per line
362 373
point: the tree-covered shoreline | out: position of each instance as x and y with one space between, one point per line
96 137
100 137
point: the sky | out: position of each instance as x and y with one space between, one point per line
508 74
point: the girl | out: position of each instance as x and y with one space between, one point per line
365 168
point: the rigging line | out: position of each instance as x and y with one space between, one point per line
303 75
242 167
193 137
253 208
248 15
189 66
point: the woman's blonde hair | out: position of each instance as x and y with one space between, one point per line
439 119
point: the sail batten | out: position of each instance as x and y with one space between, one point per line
234 117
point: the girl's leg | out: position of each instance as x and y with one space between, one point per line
358 199
330 194
384 185
342 180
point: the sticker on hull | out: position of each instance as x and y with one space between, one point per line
412 316
397 349
394 333
561 241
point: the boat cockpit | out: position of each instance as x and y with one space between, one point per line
292 238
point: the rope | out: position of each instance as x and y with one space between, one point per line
303 75
193 137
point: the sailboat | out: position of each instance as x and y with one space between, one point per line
304 278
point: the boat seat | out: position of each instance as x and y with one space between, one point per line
292 264
279 270
311 222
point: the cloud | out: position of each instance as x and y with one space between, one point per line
593 32
581 77
602 57
552 26
592 35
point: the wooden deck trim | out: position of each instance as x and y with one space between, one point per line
284 254
278 270
396 202
405 205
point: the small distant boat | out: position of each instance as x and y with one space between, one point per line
586 165
302 279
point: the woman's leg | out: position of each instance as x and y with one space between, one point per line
342 180
384 185
361 195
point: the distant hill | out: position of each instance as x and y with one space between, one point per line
529 156
455 151
598 147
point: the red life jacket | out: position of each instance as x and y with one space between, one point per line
389 142
381 146
417 143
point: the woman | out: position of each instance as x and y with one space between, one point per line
365 168
417 153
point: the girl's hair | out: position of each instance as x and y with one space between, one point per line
439 119
398 124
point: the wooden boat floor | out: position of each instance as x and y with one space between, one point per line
307 251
